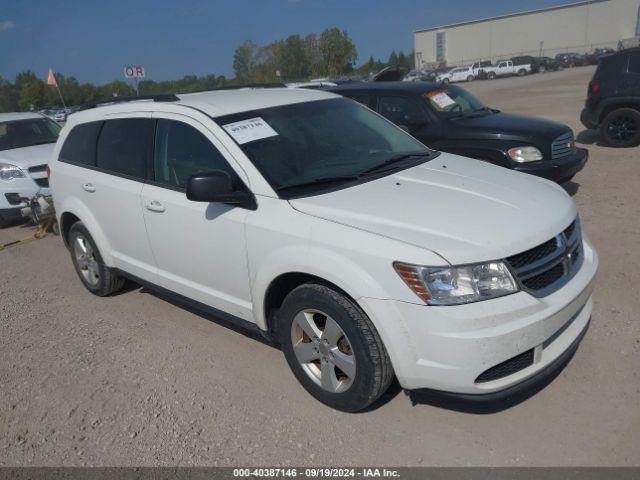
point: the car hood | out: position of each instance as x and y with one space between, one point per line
509 126
464 210
27 157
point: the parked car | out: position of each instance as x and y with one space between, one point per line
545 64
478 67
458 74
613 99
505 68
26 143
431 75
568 60
450 119
593 57
320 223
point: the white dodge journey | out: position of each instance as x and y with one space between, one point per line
366 255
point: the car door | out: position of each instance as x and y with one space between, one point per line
199 248
409 113
110 187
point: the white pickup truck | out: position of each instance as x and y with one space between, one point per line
505 68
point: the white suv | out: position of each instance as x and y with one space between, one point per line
26 143
364 253
459 74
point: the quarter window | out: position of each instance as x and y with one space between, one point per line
182 151
124 146
634 63
80 145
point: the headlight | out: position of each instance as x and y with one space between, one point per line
525 154
9 172
457 285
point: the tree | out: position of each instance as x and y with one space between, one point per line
9 96
402 58
33 91
244 61
393 58
293 58
337 50
312 52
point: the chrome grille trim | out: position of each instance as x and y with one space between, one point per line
562 146
541 277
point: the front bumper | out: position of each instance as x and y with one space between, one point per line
19 187
589 118
557 170
447 348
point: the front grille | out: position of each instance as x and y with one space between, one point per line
37 169
545 268
562 146
42 182
507 368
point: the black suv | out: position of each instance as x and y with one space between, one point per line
613 99
450 119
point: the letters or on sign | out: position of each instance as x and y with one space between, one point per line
134 71
249 130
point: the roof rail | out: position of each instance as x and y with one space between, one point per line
163 97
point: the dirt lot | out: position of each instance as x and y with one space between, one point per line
136 380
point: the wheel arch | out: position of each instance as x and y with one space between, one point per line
616 104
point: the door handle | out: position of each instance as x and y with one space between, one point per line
88 187
154 206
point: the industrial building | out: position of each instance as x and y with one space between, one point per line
577 27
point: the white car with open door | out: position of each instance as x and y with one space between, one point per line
321 224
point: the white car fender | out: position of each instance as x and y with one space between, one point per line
75 206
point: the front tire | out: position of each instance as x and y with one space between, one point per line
445 80
94 274
332 348
470 78
522 72
621 128
491 75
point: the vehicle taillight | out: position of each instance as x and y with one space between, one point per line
595 87
48 170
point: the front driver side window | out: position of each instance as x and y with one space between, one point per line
182 151
401 111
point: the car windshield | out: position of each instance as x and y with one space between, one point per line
312 146
26 133
452 102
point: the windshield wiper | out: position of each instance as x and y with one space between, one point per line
320 181
394 160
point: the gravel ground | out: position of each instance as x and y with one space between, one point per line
137 380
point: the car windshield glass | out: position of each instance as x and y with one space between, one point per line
453 102
320 144
26 133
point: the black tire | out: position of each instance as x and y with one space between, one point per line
108 282
470 78
491 75
542 69
621 128
373 373
445 80
522 72
4 223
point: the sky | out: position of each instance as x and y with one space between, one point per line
93 40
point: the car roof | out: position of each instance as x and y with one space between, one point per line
215 103
409 87
12 116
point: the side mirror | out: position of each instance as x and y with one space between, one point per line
217 186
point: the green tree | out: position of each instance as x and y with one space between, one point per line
402 58
293 59
337 50
393 58
244 61
312 52
9 96
33 92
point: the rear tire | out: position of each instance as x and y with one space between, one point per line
542 69
470 78
94 274
491 75
445 80
522 72
323 332
621 128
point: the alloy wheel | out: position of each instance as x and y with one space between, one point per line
622 128
323 350
86 260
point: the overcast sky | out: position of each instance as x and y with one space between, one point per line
93 39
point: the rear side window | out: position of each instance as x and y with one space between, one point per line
182 151
80 145
401 110
124 146
634 62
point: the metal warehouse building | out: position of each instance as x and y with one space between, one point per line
576 27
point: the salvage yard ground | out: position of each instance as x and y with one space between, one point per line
136 380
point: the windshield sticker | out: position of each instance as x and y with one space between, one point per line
440 98
249 130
